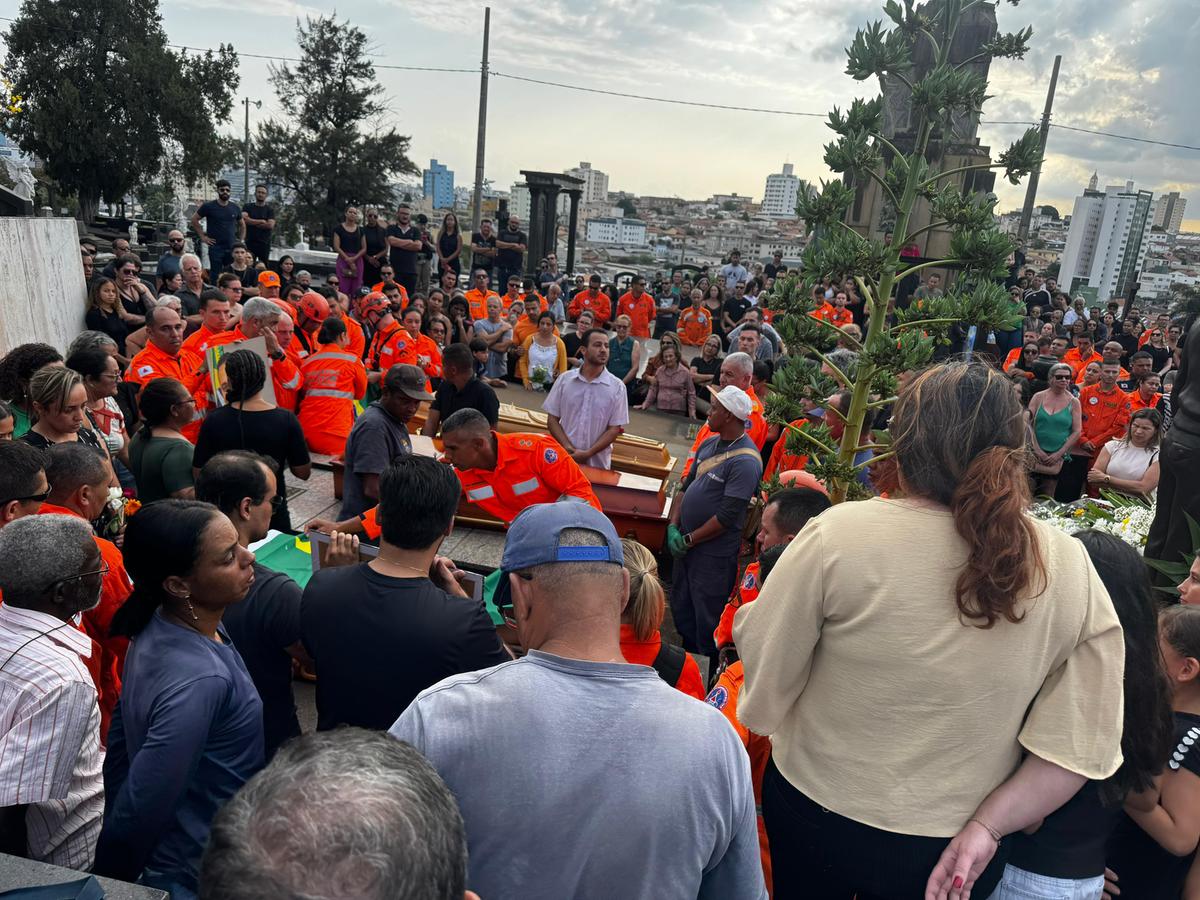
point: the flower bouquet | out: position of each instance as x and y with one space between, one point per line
1128 518
541 378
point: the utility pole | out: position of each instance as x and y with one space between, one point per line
1031 189
246 148
477 199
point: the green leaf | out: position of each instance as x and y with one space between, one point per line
875 52
1013 45
824 207
1022 156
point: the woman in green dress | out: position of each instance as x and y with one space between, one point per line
1055 420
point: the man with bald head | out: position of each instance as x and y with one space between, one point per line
164 357
737 369
169 264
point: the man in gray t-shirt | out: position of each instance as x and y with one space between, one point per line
577 774
379 435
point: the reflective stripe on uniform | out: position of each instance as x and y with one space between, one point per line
329 354
525 487
483 492
328 392
292 384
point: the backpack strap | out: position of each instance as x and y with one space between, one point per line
668 663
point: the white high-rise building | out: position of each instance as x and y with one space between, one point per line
519 201
779 196
1107 243
1168 212
595 182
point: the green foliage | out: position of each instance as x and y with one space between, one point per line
826 206
626 204
107 104
844 252
981 252
947 90
852 153
1185 301
331 150
1022 156
1173 571
967 212
876 52
1013 45
863 115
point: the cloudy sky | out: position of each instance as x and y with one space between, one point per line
1131 67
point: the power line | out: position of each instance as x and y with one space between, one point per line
589 90
293 59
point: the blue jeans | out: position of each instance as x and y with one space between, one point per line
1017 884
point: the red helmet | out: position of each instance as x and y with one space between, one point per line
374 302
314 307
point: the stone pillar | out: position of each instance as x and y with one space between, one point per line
41 282
575 194
542 217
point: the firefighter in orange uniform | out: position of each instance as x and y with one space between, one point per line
214 323
164 357
736 369
695 322
477 297
333 379
592 299
389 342
422 352
639 306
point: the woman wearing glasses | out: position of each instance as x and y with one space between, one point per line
188 732
1055 420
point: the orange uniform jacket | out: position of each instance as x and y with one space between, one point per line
199 341
642 653
825 311
1077 364
840 317
477 301
756 428
1013 355
1079 375
530 468
598 303
724 696
154 363
378 289
108 653
1136 402
745 592
781 461
1105 415
388 348
695 325
424 346
358 340
333 378
641 311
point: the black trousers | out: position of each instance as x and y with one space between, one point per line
818 855
408 281
1072 479
1178 497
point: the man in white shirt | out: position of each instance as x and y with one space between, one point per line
734 272
588 408
51 784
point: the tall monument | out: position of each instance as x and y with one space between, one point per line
871 213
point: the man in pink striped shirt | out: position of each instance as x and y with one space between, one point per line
51 785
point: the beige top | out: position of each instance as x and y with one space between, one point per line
885 708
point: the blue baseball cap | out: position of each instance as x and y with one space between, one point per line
533 540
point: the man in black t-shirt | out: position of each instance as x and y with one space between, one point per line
483 249
404 238
735 307
460 389
223 226
510 250
381 632
258 218
775 267
241 265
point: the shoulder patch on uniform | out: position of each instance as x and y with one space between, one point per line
145 370
717 697
550 455
749 582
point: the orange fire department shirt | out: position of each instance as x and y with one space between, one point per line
781 461
115 589
154 363
1080 374
1105 415
1136 402
378 289
199 341
477 301
840 317
825 311
695 325
424 346
333 379
530 468
388 347
358 340
756 428
598 303
745 592
1072 359
641 311
724 696
642 653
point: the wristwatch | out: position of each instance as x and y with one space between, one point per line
687 539
278 354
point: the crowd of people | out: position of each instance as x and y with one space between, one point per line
1005 713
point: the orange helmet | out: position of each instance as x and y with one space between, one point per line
285 306
373 302
313 306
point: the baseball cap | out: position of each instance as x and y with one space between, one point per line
533 540
268 279
735 400
412 381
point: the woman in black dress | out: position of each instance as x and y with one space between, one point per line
350 247
248 421
106 313
449 246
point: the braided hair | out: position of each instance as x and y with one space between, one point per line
245 375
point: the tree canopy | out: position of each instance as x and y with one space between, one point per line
107 104
330 150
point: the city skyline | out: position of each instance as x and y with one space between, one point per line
1115 77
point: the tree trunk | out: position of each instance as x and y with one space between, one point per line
89 205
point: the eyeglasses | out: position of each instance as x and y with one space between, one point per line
32 498
102 571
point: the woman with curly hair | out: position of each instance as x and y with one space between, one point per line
16 369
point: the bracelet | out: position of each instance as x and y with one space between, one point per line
996 836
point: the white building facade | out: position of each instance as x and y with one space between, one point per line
614 230
1168 212
595 183
779 196
1106 245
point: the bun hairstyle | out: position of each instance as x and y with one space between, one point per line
979 473
647 600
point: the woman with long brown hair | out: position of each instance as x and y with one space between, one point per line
935 673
